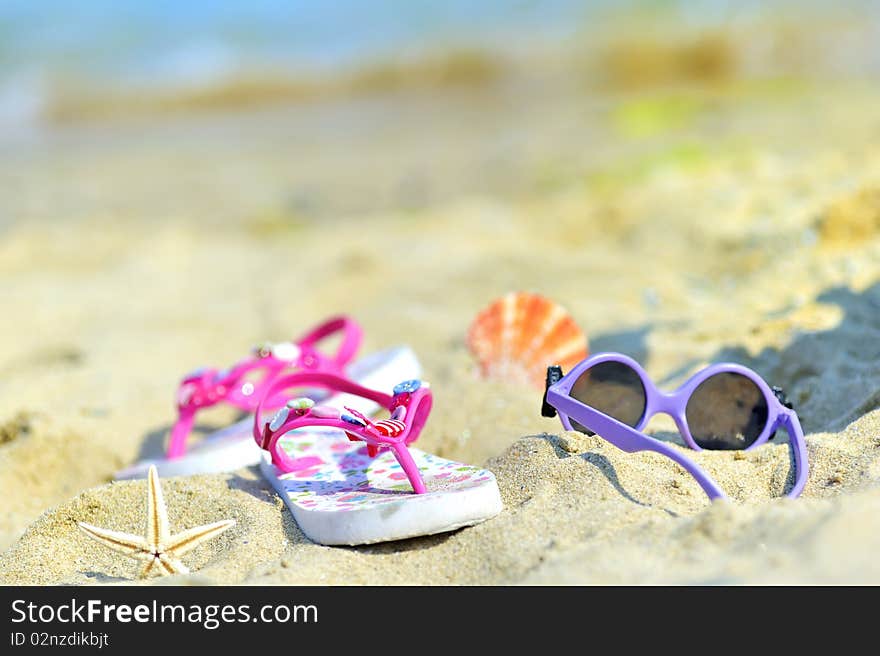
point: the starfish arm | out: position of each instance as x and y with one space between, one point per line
126 543
157 513
149 567
168 565
183 543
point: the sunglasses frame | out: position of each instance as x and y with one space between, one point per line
632 439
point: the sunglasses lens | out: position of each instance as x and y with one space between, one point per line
612 388
727 411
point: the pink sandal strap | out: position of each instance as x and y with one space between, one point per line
409 406
352 336
207 387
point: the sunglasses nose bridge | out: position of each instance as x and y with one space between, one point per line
670 404
665 403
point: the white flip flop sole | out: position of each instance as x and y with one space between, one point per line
233 447
348 498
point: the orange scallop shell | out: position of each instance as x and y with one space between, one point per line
520 334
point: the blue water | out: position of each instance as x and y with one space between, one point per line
145 40
160 40
155 42
155 39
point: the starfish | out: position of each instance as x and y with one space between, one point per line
161 551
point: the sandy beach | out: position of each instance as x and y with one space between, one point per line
701 217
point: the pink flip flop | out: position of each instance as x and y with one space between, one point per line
244 385
348 479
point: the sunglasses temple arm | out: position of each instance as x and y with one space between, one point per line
709 486
792 425
629 439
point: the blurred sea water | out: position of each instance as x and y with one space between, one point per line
49 47
142 43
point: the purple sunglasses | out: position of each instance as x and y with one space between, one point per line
724 406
